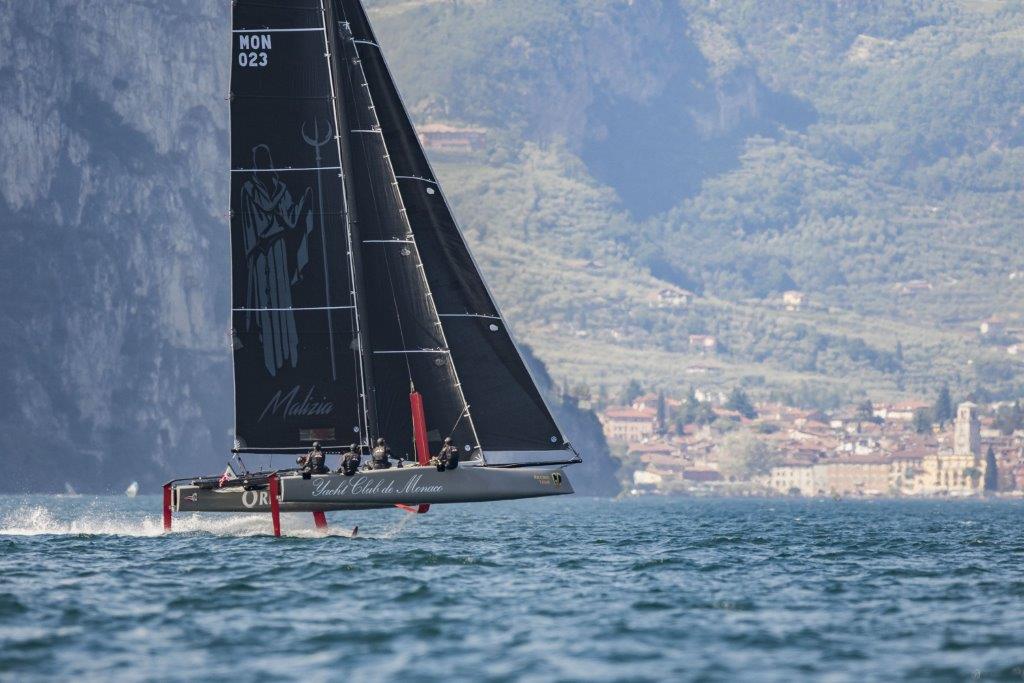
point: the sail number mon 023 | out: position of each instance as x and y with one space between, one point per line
253 49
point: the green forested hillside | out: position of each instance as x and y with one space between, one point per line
868 155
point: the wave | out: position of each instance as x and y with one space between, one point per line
39 520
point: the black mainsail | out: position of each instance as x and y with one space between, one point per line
352 283
295 325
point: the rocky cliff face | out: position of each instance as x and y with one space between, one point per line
113 194
596 475
113 203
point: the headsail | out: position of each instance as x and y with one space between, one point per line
294 323
407 343
508 412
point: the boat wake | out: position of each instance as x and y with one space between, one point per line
397 528
41 521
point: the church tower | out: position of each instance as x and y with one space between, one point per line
967 433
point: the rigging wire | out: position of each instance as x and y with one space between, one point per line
462 416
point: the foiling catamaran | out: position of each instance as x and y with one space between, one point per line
358 310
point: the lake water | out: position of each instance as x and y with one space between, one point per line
553 590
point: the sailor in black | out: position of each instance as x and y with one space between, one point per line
448 458
313 462
381 456
350 461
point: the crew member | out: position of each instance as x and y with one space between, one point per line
381 457
448 458
350 461
313 462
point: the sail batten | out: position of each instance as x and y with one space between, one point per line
316 29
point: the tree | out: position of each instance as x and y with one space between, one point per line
943 410
662 412
705 414
1009 418
742 456
741 403
694 412
922 421
632 392
991 471
865 411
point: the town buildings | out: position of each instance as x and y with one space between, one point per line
793 300
961 471
873 470
450 138
629 424
993 327
704 343
841 454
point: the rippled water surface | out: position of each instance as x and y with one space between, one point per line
546 590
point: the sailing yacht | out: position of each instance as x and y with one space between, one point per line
358 312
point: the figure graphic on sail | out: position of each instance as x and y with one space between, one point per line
276 230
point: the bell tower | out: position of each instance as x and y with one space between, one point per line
967 433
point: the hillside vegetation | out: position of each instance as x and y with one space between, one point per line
867 155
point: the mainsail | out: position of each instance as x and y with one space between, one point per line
352 281
295 324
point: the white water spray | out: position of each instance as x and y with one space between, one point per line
39 520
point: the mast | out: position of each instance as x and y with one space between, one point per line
369 423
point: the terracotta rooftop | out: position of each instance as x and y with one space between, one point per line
448 128
631 413
658 447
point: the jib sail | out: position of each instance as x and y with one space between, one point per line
407 345
505 409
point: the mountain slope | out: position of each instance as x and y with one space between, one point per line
114 255
867 156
